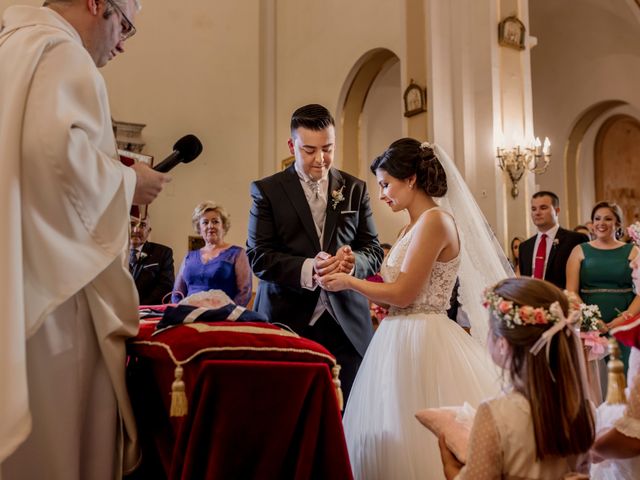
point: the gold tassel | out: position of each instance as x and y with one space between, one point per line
616 380
179 405
337 384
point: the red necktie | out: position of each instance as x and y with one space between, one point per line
541 255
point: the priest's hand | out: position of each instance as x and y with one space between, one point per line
149 183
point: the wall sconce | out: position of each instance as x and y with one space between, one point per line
517 160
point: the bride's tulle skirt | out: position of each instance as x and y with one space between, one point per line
413 362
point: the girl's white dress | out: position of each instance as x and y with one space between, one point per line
626 419
418 359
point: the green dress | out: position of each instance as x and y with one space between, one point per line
605 280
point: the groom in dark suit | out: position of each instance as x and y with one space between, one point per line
150 264
306 222
545 254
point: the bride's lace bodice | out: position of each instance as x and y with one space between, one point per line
435 294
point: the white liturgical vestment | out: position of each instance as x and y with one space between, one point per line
65 200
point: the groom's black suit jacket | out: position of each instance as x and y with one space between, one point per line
556 271
282 235
153 273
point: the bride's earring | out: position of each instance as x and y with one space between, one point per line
411 186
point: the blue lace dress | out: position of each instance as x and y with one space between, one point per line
229 272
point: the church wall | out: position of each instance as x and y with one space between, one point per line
193 70
587 52
232 73
318 43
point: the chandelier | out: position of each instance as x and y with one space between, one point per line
515 161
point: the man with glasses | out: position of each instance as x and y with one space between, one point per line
69 302
150 264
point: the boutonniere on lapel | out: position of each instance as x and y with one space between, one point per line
337 197
555 243
142 256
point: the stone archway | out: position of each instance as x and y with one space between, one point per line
371 117
354 95
572 153
617 164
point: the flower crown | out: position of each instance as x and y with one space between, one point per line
588 318
513 315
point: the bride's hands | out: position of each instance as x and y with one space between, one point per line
335 282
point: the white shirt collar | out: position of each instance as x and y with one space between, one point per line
306 178
551 233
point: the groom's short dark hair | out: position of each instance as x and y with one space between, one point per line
313 117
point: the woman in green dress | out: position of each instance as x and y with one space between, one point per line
599 270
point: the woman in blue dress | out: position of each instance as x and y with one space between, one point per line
216 266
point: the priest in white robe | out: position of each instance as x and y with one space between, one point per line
69 302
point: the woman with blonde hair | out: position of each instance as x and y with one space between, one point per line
216 266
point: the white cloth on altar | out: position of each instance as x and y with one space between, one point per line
66 200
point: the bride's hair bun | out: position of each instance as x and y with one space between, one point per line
407 157
430 172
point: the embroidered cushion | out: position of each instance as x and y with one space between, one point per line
454 423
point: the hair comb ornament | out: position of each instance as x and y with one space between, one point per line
426 146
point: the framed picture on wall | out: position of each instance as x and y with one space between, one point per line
195 242
511 33
286 162
415 99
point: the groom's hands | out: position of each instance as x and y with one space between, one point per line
325 264
347 259
333 271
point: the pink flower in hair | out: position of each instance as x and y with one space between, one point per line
526 314
539 316
505 306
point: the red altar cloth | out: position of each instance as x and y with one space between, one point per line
248 418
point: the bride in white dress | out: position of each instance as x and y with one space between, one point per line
418 357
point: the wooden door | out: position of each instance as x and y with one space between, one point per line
617 164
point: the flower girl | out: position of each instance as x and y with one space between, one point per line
543 426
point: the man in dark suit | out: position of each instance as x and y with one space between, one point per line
306 222
552 244
150 264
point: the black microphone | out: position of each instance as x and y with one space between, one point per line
184 151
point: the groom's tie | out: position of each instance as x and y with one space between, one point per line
317 206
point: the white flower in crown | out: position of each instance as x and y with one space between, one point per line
337 197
